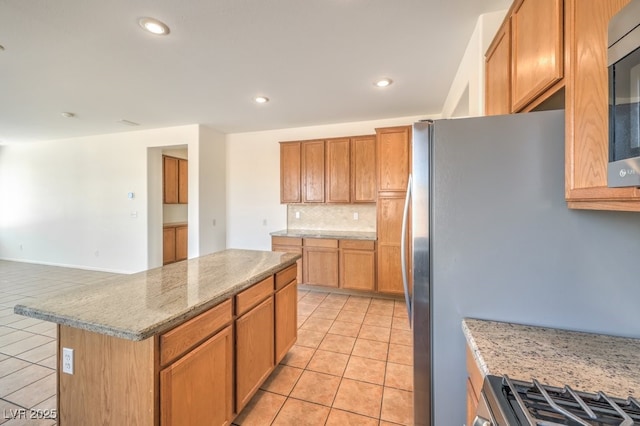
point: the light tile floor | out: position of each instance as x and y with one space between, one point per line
352 362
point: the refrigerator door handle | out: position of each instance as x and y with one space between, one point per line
403 250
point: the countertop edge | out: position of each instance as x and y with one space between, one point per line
161 326
482 365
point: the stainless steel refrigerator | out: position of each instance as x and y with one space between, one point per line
492 238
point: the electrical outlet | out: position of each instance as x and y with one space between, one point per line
297 215
67 360
355 216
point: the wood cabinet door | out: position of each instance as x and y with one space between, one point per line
313 172
357 269
198 388
290 172
254 350
338 171
170 180
183 181
498 73
286 312
291 249
472 403
182 242
363 169
389 218
537 49
320 266
168 245
394 158
389 269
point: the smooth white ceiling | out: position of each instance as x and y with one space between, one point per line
315 59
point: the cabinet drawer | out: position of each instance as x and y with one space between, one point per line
253 295
286 241
176 342
357 244
286 276
320 242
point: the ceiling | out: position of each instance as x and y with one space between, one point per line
316 60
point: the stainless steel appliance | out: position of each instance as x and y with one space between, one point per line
624 97
507 402
492 238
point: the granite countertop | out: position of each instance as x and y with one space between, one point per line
147 303
312 233
585 361
171 224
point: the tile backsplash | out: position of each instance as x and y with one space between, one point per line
332 217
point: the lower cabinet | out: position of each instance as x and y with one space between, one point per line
174 243
197 389
254 350
357 265
474 386
286 315
328 262
320 261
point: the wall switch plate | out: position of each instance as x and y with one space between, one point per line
67 360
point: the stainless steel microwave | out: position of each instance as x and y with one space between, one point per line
624 97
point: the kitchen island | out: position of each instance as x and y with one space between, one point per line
586 362
187 343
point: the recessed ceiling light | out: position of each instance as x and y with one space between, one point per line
261 99
67 114
383 82
154 26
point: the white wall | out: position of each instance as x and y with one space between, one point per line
65 202
466 95
253 177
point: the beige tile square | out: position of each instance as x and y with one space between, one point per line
357 304
309 338
337 343
400 354
21 378
397 406
50 362
332 304
370 349
325 313
298 356
328 362
372 332
37 392
295 412
11 365
365 370
316 387
7 408
342 418
25 345
359 397
306 309
401 323
400 309
337 297
282 380
386 310
317 324
315 297
13 337
383 303
302 319
48 404
261 410
40 352
351 316
399 376
342 328
377 320
402 337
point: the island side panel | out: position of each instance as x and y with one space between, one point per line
114 381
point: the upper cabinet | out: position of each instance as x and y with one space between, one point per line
394 151
175 173
339 170
537 49
498 73
558 58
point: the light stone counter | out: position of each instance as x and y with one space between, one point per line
586 362
310 233
145 304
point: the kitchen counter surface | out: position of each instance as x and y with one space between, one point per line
311 233
147 303
172 224
584 361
